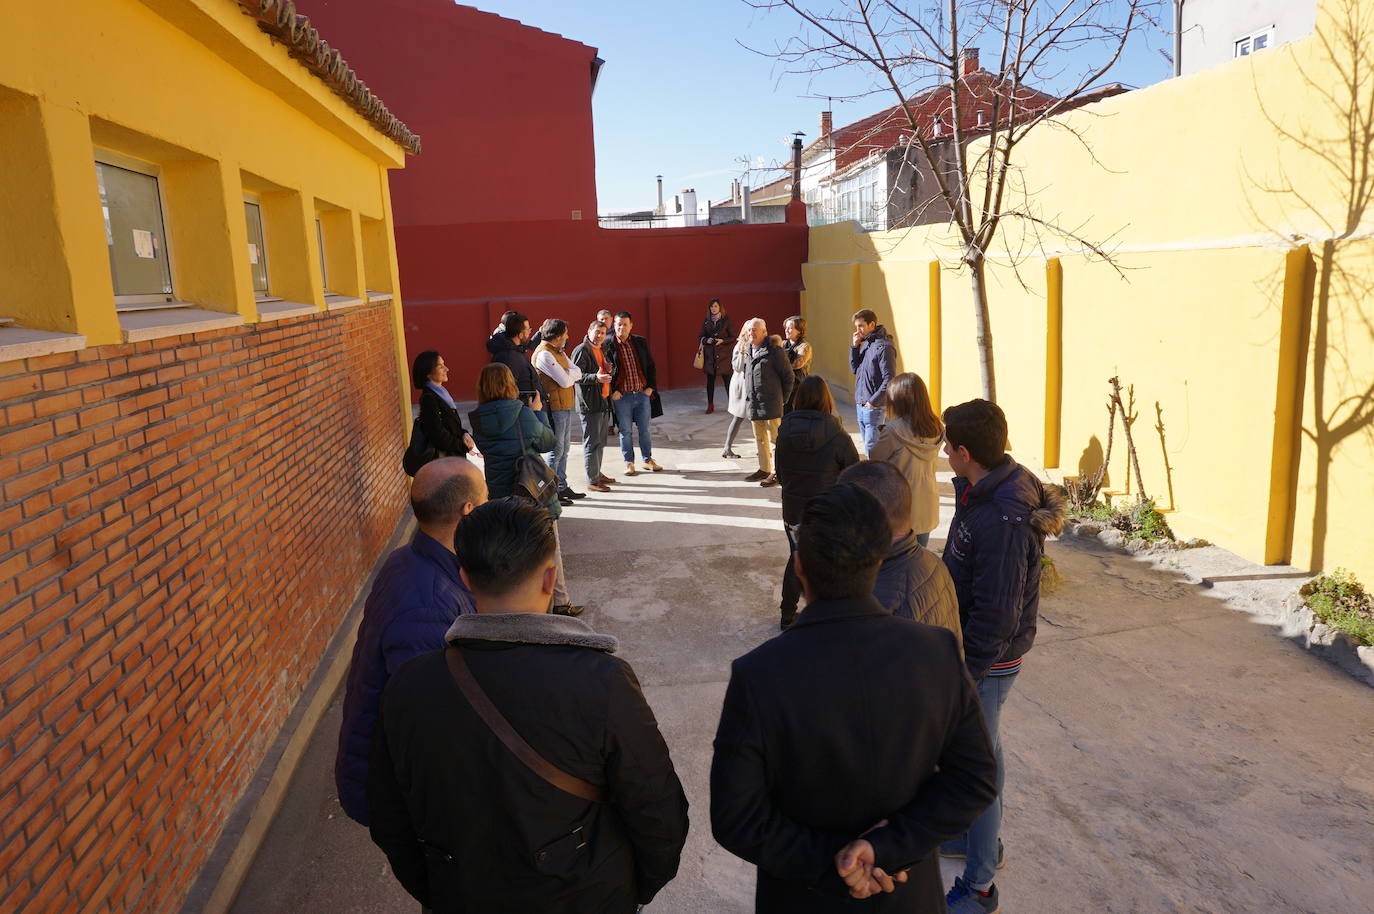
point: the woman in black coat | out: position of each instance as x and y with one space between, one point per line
717 337
439 419
813 448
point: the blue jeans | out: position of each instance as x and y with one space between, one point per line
870 421
557 459
632 410
594 426
980 865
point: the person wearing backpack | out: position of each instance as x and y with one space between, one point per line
506 429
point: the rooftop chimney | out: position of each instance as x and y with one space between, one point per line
660 195
968 61
827 124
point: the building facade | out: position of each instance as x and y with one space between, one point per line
1211 32
201 384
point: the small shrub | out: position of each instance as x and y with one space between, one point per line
1341 602
1140 520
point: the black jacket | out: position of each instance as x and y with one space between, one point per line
646 364
715 357
442 425
589 398
513 357
993 554
813 449
768 378
463 821
849 717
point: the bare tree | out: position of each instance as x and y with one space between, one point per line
911 49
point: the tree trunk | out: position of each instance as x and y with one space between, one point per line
983 323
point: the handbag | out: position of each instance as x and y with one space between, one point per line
534 479
418 452
700 360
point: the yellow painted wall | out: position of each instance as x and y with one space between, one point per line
196 89
1202 187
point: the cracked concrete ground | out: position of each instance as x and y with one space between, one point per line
1165 752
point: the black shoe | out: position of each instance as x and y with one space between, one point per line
786 622
567 609
569 493
566 502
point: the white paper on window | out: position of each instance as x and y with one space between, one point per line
143 245
252 253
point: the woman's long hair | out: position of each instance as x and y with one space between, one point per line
814 393
715 317
799 322
424 366
907 398
496 383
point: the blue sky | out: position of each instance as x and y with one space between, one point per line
679 96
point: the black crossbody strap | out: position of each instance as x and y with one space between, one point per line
497 723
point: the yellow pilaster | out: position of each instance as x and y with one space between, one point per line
1288 405
936 336
1054 358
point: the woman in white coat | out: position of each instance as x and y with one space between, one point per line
910 441
739 399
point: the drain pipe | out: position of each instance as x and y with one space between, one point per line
1178 37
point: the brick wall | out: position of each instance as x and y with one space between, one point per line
185 522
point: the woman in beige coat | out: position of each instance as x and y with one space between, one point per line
910 441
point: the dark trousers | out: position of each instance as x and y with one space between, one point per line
711 386
791 584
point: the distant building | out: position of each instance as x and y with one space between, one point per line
873 173
767 204
1211 32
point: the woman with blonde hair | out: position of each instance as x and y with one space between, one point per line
910 441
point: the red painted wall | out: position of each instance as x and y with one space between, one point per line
484 215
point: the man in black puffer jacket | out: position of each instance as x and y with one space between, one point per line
1002 515
813 448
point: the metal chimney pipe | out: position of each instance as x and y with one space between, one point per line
660 194
796 167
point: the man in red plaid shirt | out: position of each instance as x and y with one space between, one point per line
634 385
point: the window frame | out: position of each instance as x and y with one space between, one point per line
256 200
324 257
1248 40
113 159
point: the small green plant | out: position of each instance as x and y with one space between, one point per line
1340 601
1139 520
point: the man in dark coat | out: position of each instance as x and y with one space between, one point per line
768 380
467 826
912 581
508 346
873 359
1002 515
851 744
594 403
634 392
414 599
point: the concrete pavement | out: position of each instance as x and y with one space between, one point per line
1164 752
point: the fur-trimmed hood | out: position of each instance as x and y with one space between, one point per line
529 628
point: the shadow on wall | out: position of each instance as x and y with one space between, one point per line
1337 320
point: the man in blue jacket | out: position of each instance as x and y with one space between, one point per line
1002 515
873 359
414 599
